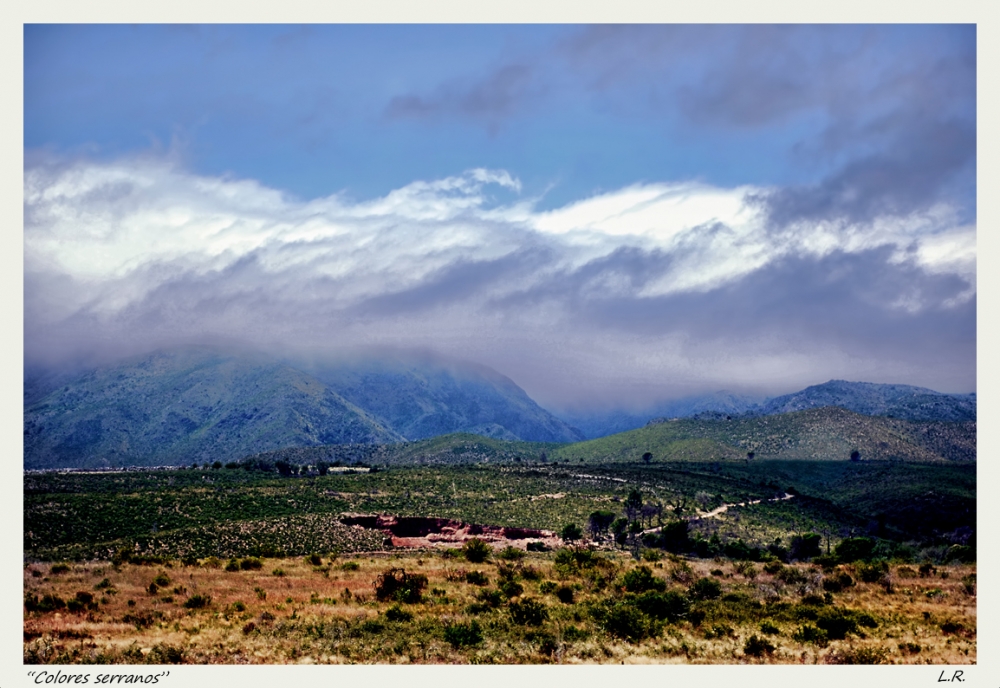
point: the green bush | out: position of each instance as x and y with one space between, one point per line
251 564
641 579
811 634
197 601
805 546
509 553
545 587
233 565
873 572
463 634
564 594
476 551
162 580
837 623
625 621
705 589
757 647
768 628
397 584
350 566
528 612
476 578
314 560
664 606
855 549
510 587
397 613
571 532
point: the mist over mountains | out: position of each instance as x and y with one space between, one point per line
200 403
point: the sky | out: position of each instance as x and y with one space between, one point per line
610 215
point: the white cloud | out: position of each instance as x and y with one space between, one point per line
140 249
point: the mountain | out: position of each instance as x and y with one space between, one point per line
422 396
190 404
895 401
197 404
828 433
594 425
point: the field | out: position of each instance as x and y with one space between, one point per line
775 561
569 606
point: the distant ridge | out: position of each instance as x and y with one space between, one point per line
870 399
904 402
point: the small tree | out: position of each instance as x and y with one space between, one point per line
600 521
647 457
571 532
855 455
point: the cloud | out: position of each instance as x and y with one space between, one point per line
659 286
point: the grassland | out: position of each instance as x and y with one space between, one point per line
569 606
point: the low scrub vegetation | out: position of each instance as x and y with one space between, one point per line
569 606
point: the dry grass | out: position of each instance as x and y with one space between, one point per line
329 614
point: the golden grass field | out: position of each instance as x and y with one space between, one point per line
295 611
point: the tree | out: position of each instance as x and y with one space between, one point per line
620 528
855 455
571 532
647 457
600 521
633 503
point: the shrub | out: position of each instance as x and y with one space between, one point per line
233 565
537 546
476 551
509 553
528 612
969 584
397 613
705 589
805 546
855 549
59 568
546 587
768 628
238 606
105 583
463 634
278 573
564 594
873 572
773 567
625 621
837 623
641 579
197 601
350 566
153 589
790 575
510 587
476 578
757 647
165 654
251 564
314 560
810 634
665 606
396 584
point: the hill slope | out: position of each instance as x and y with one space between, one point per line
186 405
422 397
896 401
828 433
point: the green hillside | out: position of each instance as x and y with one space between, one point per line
814 434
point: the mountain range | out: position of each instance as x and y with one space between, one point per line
196 404
199 403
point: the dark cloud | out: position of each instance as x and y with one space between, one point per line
492 98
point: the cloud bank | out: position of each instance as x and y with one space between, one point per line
649 291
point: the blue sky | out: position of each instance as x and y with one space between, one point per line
607 214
